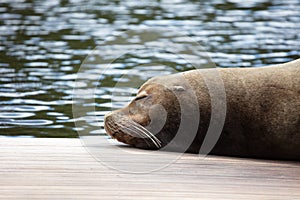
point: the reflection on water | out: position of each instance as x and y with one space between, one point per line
43 44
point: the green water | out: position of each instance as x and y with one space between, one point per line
44 43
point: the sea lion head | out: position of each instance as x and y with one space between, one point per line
152 118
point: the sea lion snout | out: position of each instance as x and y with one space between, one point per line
123 126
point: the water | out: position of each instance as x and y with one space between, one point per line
44 43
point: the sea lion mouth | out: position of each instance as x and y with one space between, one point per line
124 129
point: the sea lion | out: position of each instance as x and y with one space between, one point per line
262 112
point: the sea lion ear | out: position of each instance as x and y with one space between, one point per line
178 88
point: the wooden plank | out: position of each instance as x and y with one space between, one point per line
44 168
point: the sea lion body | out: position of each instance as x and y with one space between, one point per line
262 118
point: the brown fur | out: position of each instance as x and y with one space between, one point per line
262 116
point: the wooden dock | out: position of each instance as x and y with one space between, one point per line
35 168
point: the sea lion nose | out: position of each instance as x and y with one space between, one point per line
108 120
108 117
113 117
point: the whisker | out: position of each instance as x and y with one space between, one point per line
145 130
139 131
129 126
151 134
128 129
153 138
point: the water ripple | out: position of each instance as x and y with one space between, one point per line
14 115
43 44
27 122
